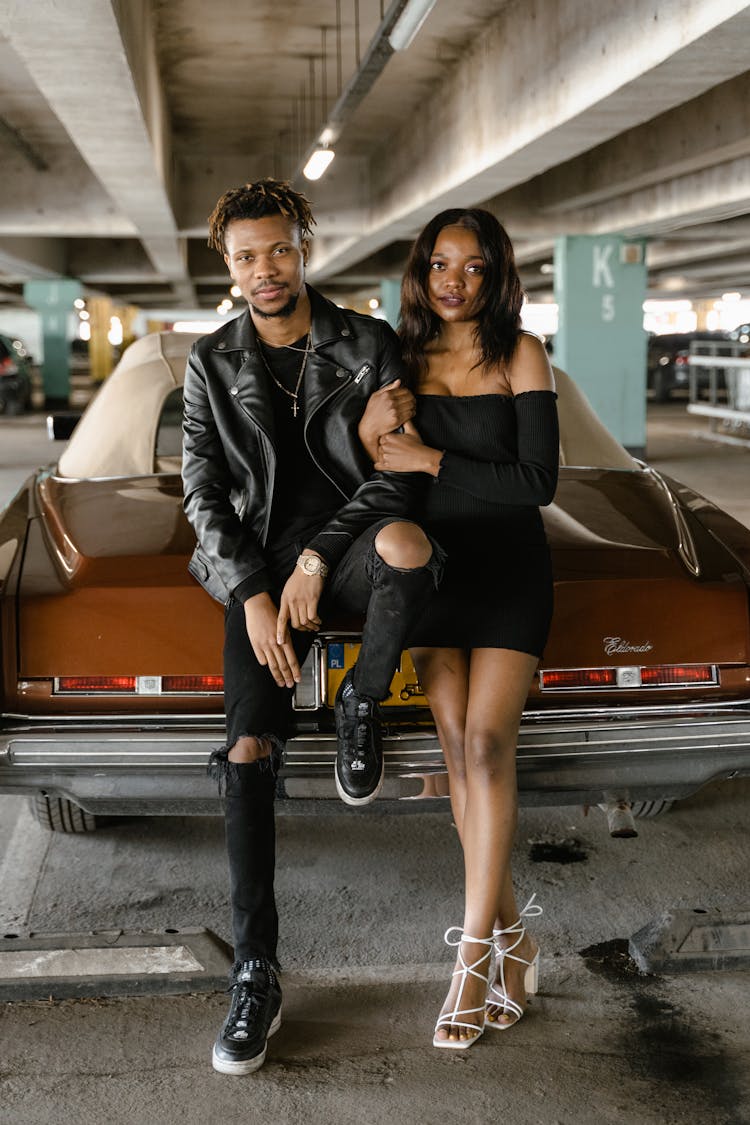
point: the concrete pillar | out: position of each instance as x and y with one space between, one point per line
100 310
702 309
600 286
53 300
128 315
390 300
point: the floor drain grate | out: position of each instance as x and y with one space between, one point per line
693 940
112 963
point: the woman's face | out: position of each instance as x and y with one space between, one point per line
456 275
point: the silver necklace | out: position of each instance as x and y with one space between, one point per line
293 395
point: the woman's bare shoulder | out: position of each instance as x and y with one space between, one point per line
529 369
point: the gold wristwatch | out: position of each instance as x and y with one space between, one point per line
312 564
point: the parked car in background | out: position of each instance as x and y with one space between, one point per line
15 376
740 334
668 361
112 653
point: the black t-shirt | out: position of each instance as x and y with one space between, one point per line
304 499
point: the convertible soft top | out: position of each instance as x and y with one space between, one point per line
117 435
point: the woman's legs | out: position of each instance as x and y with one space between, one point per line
477 708
443 674
498 687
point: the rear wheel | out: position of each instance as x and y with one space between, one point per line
58 814
660 385
649 809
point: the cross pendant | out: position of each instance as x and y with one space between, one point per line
294 407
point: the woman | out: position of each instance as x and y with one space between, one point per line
486 434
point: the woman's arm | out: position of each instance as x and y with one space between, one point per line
532 477
386 410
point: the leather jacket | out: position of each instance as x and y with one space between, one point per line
230 455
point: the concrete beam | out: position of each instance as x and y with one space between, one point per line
711 129
542 85
717 271
716 193
27 259
339 201
674 253
693 206
66 200
114 110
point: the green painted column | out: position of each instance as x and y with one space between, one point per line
53 300
600 286
390 300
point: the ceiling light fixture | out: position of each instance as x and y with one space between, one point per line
317 163
396 31
407 25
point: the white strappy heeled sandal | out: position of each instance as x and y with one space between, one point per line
453 1018
498 993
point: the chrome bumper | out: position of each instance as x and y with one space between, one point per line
564 758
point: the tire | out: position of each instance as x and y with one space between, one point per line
647 810
660 386
58 814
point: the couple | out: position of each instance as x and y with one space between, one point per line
312 435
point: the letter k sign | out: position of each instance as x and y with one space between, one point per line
602 274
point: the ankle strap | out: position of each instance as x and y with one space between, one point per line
530 910
464 937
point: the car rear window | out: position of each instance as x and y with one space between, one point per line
169 431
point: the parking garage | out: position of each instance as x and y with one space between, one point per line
612 143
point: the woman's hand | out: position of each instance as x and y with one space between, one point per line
386 410
407 453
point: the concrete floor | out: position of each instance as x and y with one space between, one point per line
679 444
364 900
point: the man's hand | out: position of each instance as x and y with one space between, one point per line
271 647
407 453
299 602
386 410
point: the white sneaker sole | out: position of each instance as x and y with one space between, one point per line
246 1066
355 801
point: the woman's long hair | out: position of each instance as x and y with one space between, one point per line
501 295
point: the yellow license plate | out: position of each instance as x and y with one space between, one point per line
405 689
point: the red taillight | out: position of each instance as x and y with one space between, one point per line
678 674
140 685
192 684
628 677
577 678
88 684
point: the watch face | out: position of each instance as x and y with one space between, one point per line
310 564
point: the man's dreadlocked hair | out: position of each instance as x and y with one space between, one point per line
255 201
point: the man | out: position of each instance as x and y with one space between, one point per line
289 518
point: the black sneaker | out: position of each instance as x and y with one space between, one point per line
359 758
254 1016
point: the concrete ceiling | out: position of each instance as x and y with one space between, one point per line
122 121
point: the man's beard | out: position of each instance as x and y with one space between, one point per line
285 311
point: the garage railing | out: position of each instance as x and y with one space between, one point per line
727 401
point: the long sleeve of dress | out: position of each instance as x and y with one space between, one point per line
531 478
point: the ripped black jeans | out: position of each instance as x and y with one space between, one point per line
255 706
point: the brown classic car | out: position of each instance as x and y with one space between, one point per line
111 652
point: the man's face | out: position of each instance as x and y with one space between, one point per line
266 258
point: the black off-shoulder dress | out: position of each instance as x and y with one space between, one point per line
500 464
